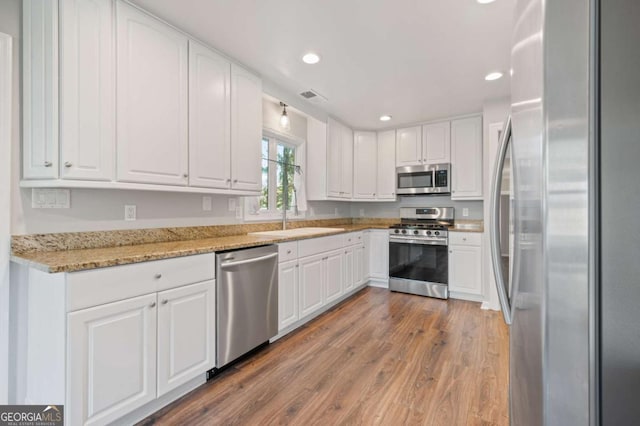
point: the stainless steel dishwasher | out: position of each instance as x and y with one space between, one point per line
247 301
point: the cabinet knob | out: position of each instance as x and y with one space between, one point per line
464 239
450 252
152 305
185 175
228 180
47 163
165 301
288 251
67 164
235 181
374 194
158 276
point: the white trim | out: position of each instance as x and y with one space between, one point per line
5 206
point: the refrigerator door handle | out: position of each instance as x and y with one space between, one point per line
494 233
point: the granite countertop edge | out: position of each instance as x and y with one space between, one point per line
87 259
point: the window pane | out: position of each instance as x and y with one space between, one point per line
264 198
286 155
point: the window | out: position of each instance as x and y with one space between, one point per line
278 158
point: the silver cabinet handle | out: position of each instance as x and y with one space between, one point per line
67 164
503 295
252 260
158 276
47 164
165 301
152 305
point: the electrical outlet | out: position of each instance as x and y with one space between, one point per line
130 212
206 203
465 212
238 212
335 211
361 212
232 204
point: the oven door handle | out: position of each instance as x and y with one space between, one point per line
438 242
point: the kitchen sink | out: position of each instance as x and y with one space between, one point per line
297 232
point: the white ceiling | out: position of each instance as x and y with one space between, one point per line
413 59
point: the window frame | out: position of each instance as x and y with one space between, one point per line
275 214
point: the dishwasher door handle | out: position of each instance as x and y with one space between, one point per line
247 261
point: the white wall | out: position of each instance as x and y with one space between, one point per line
393 209
9 135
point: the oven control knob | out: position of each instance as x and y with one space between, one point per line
437 232
416 232
404 231
397 231
428 232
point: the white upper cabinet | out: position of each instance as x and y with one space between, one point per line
365 154
386 178
209 118
152 100
40 89
87 90
409 146
436 143
466 159
339 160
246 130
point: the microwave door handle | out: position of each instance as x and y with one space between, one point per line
494 233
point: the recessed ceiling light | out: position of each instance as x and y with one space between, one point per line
485 1
493 76
385 117
311 58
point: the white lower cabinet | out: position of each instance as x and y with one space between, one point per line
186 331
287 294
311 281
349 269
360 276
379 254
465 265
334 275
112 355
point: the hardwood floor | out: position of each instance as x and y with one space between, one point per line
378 358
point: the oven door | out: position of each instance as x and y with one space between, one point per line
419 267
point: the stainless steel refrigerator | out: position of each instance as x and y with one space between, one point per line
572 296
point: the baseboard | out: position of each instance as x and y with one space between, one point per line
466 296
159 403
489 306
379 282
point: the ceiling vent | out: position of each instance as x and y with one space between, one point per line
313 96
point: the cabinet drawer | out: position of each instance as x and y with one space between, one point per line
287 251
98 286
320 245
354 239
465 238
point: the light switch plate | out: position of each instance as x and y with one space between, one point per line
46 198
206 203
129 212
465 212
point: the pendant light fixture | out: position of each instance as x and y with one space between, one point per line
285 123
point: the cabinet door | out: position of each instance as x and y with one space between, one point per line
112 354
465 269
409 146
87 90
246 130
365 155
386 176
334 159
436 143
186 334
40 89
152 127
358 266
287 294
349 269
346 182
379 254
334 275
209 118
310 284
466 158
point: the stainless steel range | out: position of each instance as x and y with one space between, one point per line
418 253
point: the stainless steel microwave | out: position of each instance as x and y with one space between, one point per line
418 180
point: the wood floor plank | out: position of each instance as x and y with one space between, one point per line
379 358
